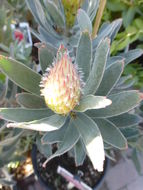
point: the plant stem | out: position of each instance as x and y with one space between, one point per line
98 18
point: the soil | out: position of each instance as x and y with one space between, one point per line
54 181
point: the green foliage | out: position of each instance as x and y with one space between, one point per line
131 12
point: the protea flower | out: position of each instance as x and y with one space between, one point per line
61 84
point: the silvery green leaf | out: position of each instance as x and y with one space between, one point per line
123 80
28 100
80 152
127 85
46 57
45 124
110 78
92 102
84 21
131 132
125 120
37 11
55 136
84 5
109 30
111 134
54 13
92 139
98 68
121 103
44 149
84 54
92 8
49 38
131 55
113 59
23 114
29 83
70 138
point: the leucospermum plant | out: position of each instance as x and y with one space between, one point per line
81 102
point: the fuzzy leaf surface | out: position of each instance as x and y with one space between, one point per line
84 54
92 102
46 124
92 139
45 57
24 115
121 103
131 55
28 100
20 74
54 13
54 136
111 134
110 78
125 120
70 138
84 21
80 152
98 68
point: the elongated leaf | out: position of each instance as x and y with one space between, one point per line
55 136
46 150
84 54
125 120
110 78
30 101
49 38
80 152
46 124
70 138
45 57
84 21
107 30
121 103
24 115
131 55
123 80
98 68
111 134
92 139
37 11
114 59
92 102
10 140
54 14
20 74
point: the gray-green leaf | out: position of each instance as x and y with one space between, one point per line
84 21
84 54
111 134
20 74
92 139
98 68
24 115
110 78
121 103
28 100
92 102
46 124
